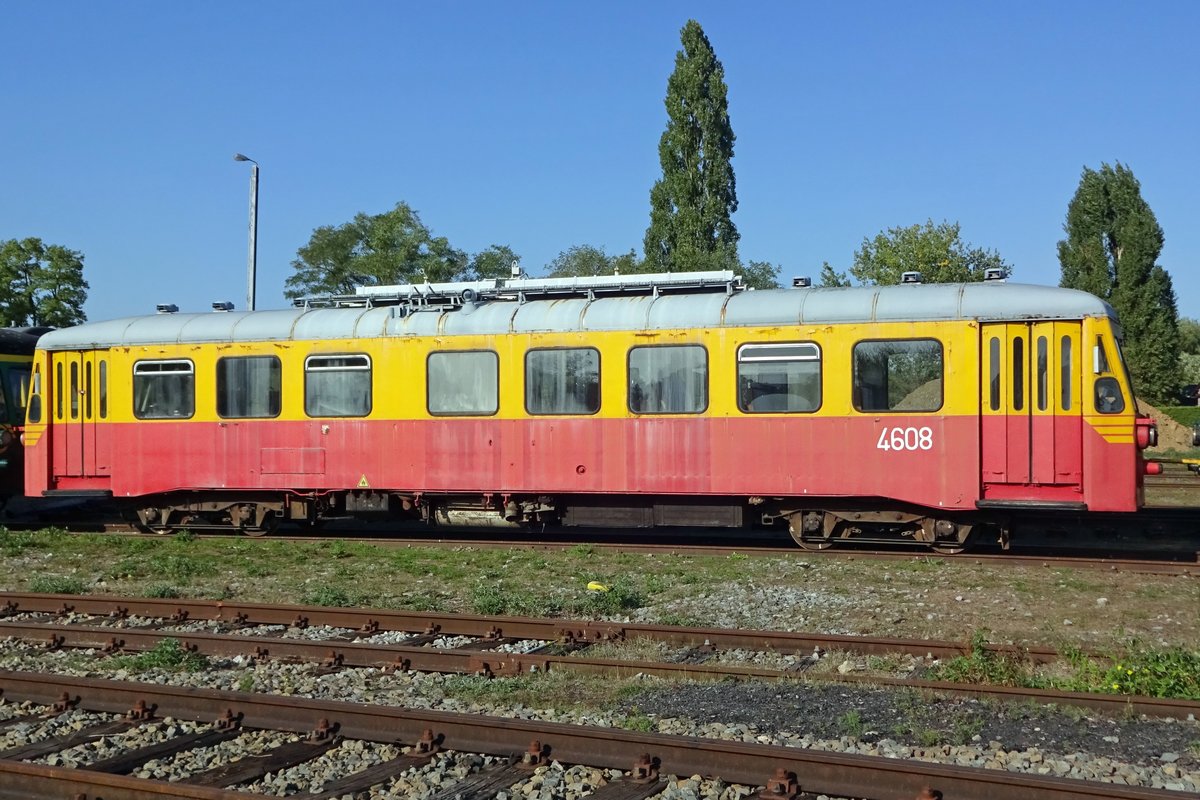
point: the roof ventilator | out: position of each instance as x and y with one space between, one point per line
801 283
995 274
222 305
911 277
166 308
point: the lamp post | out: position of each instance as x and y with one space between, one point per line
253 257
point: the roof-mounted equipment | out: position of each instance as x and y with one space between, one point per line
222 305
911 277
456 294
995 274
166 308
801 283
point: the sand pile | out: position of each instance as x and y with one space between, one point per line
1171 435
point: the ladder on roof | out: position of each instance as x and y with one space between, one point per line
455 294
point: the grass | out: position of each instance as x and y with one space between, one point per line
330 596
56 584
983 666
168 655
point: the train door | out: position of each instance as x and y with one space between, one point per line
1031 421
80 406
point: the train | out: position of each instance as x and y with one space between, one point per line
927 413
16 356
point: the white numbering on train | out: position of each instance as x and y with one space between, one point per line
905 439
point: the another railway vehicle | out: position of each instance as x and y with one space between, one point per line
16 356
920 411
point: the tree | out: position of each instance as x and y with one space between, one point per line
494 262
585 259
1111 250
388 248
759 274
691 206
831 277
936 251
41 284
1189 336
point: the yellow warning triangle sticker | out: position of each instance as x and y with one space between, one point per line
362 482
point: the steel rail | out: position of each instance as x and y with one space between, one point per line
490 663
553 629
735 762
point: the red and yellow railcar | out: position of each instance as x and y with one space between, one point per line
923 410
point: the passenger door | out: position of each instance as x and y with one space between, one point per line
1031 421
80 404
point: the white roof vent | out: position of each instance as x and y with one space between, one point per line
801 283
995 274
911 277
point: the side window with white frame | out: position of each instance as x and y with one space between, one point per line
463 383
337 385
782 377
164 389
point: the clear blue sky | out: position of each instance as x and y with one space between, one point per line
536 125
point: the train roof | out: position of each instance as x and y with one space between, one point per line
20 341
986 301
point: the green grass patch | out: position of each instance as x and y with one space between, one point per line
983 666
56 584
1184 415
168 654
332 596
1165 672
162 591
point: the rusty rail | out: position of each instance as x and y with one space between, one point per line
737 762
477 661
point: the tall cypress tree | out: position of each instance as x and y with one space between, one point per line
691 206
1111 250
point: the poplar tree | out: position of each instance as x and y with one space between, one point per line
1111 250
691 206
41 284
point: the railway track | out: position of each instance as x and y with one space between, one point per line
518 748
495 646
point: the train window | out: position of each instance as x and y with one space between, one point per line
102 377
1042 372
35 397
337 386
898 375
58 391
1064 361
74 390
463 383
87 391
1108 396
668 379
1100 358
18 392
562 381
4 402
782 378
994 374
249 386
164 389
1018 373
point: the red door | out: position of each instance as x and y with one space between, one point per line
1031 414
80 399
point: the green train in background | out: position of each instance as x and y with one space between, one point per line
16 356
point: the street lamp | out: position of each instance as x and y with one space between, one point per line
253 258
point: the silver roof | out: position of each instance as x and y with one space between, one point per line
807 306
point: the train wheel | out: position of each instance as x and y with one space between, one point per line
269 524
814 544
947 548
154 520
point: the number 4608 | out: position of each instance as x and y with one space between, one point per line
905 439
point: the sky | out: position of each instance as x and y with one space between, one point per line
536 125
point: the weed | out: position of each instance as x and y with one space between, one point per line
245 683
423 601
637 721
851 723
168 654
16 542
619 597
180 567
967 729
56 584
495 598
929 737
982 666
161 590
183 536
581 550
328 596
